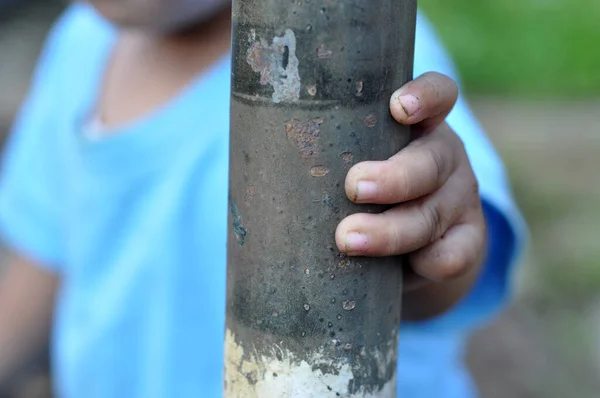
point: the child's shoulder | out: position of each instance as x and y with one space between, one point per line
79 20
78 31
72 55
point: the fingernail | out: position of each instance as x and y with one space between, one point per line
356 242
365 190
409 103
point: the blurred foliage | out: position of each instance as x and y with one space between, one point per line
522 47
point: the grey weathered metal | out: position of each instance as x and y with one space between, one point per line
310 95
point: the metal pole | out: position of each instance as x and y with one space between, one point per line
310 91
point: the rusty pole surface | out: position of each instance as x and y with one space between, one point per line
310 95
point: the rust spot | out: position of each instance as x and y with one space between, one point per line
371 120
347 157
319 171
359 88
250 192
261 57
304 136
343 264
311 89
323 52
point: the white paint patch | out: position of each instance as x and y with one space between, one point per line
277 64
268 377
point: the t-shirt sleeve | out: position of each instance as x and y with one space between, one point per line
505 226
29 178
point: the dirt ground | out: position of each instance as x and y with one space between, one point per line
544 345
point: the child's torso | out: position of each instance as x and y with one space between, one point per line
142 306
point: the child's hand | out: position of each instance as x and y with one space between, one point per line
438 219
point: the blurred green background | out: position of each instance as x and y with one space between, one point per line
522 47
531 70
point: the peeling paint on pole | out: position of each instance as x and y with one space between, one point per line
310 92
277 64
280 372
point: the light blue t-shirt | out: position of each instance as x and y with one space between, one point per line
135 224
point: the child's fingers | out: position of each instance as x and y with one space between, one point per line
426 101
461 248
418 170
404 228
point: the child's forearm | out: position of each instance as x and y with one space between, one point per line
26 305
432 299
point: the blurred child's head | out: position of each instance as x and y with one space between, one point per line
158 15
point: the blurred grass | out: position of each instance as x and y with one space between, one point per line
522 47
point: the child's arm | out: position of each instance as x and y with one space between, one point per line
31 204
453 213
26 304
